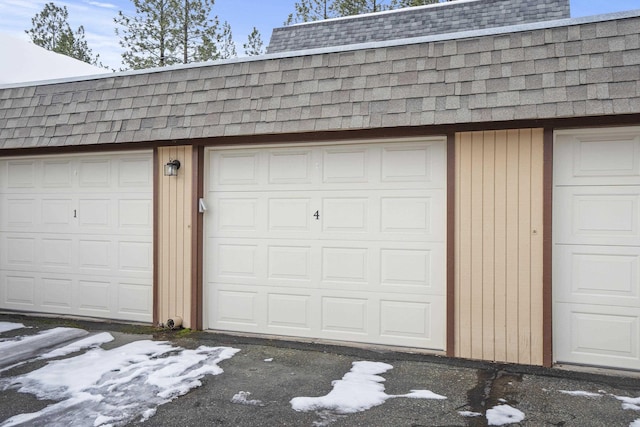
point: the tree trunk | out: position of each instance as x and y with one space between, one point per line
185 40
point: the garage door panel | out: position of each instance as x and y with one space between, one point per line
135 173
289 213
95 213
608 275
135 298
18 252
95 254
290 166
596 233
305 241
598 160
290 264
77 233
135 257
135 215
19 291
406 214
94 173
598 215
57 253
405 268
56 174
410 322
411 163
79 253
345 315
345 214
236 214
19 213
290 311
410 268
238 261
57 293
20 174
596 336
94 297
346 165
234 169
329 168
340 215
57 214
233 309
346 266
405 319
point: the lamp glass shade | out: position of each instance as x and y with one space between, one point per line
171 168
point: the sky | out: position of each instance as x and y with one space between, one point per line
97 18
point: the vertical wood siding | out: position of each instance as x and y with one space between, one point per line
499 235
174 236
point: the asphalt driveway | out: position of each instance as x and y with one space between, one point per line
112 374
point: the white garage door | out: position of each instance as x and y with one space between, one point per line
342 242
76 235
596 232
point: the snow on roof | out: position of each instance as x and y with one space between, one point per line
23 61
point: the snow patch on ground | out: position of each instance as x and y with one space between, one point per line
358 390
504 414
89 342
27 347
635 423
421 394
269 359
241 398
580 393
469 414
629 400
114 387
632 403
10 326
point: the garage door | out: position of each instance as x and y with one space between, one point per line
596 232
340 242
76 235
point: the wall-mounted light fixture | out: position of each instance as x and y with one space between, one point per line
171 168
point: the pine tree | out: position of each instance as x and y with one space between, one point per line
399 4
311 10
254 44
198 34
166 32
51 30
147 36
227 45
358 7
316 10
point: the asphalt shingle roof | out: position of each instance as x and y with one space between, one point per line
573 68
460 15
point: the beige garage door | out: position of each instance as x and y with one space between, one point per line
76 235
596 233
340 242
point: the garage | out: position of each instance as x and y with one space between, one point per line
596 247
339 242
76 235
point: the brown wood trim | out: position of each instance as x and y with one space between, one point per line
156 240
451 236
547 251
74 149
197 241
378 133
